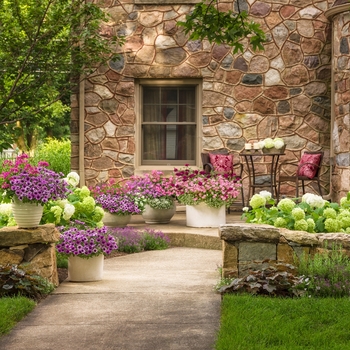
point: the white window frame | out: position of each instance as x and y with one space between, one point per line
139 168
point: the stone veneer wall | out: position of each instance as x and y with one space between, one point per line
341 90
33 247
248 246
283 91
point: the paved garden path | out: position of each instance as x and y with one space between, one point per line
156 300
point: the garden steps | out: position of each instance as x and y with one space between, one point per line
192 237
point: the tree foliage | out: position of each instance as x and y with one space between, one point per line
207 22
44 48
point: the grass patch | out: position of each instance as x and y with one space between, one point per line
257 323
12 310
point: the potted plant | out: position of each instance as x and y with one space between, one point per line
79 205
118 203
156 199
85 249
28 187
206 195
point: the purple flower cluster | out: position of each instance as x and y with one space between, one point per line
117 203
86 243
153 185
29 183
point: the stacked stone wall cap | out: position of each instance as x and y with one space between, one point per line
14 236
331 239
299 237
249 233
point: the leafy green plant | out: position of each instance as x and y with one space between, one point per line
62 260
207 22
17 280
271 281
326 274
12 310
57 153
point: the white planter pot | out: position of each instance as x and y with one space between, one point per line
201 215
85 270
158 216
27 215
115 220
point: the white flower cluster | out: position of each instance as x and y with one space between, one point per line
313 200
73 179
277 142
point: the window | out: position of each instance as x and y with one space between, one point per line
168 123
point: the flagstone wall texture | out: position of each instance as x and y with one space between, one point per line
282 91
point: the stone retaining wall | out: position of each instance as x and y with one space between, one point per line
33 247
248 246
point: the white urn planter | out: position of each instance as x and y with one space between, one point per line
158 216
115 220
201 215
85 270
27 215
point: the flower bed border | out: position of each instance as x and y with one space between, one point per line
250 247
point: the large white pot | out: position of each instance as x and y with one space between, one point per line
158 216
115 220
27 215
85 270
201 215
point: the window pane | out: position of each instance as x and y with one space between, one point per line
151 95
169 142
169 95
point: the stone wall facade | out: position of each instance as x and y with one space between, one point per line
248 247
283 91
34 248
340 18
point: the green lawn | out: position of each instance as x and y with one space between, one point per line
13 310
258 323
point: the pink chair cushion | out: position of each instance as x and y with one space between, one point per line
309 170
222 163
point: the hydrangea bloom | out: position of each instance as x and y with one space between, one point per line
332 225
313 200
298 214
280 222
310 225
301 225
73 179
268 143
344 218
266 194
257 201
286 205
279 143
68 211
329 213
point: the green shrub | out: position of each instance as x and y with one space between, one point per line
132 240
56 153
62 260
326 274
17 280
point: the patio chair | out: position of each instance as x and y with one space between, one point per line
308 169
223 163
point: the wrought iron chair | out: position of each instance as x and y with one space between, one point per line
236 169
308 169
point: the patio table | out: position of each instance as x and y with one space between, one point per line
271 161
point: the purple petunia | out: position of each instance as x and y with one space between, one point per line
86 243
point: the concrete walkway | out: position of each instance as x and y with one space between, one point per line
156 300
